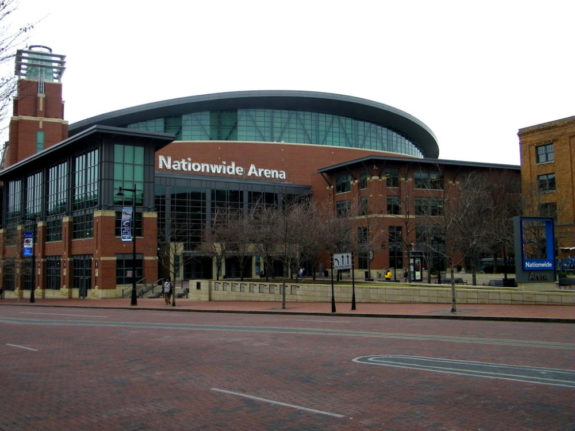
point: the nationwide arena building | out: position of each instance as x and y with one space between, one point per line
178 161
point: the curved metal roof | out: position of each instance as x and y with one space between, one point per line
357 108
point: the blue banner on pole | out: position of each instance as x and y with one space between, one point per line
127 220
28 246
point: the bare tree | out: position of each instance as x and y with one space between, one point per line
241 236
266 221
483 211
9 40
215 241
309 237
431 224
505 195
470 212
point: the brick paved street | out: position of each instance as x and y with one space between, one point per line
80 368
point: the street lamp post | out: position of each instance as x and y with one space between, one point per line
28 251
134 300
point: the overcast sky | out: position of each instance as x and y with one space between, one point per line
473 71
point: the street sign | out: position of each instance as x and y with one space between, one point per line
342 261
28 246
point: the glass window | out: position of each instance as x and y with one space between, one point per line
343 183
224 125
546 183
54 230
393 205
428 180
173 126
124 268
128 172
429 206
277 125
34 194
86 180
430 237
545 153
343 208
261 200
83 226
196 126
9 273
53 272
363 176
391 177
14 196
39 140
189 217
227 203
362 235
363 206
395 239
57 189
82 273
363 260
155 125
548 209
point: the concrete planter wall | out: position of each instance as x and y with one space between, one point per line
209 290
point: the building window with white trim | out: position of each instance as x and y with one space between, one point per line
544 153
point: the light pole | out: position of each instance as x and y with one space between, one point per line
134 300
28 251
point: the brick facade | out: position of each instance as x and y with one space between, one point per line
33 112
560 134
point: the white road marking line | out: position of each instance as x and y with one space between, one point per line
323 321
278 403
517 373
60 314
22 347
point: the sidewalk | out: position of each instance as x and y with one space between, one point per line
550 313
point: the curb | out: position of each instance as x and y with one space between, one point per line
316 313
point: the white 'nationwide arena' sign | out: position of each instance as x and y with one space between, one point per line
223 168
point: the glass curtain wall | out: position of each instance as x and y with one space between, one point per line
276 125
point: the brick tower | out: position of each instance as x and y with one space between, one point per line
38 113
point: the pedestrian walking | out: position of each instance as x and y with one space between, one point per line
168 290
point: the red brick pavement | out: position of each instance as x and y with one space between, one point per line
120 370
533 312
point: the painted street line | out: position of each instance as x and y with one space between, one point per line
519 373
65 315
278 403
318 320
22 347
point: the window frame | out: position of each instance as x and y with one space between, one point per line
343 208
547 183
546 155
343 183
393 205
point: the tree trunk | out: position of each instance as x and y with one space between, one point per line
453 301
